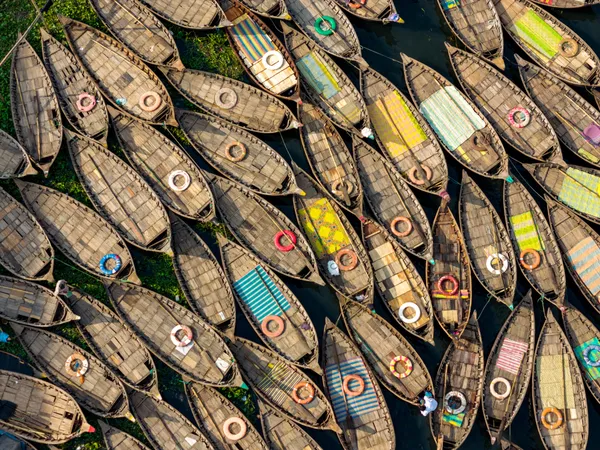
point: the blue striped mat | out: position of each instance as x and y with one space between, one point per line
260 295
357 406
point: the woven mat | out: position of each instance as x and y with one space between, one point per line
456 420
555 383
511 355
593 373
252 41
581 191
585 257
526 232
317 75
537 34
323 228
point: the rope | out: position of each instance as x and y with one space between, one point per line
381 54
490 297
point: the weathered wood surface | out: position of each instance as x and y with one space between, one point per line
71 81
261 295
119 74
564 4
398 282
283 434
159 161
25 249
34 106
507 445
43 413
14 162
237 154
98 390
78 232
115 439
193 14
275 9
120 195
376 10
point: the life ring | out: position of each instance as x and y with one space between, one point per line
355 5
451 279
85 96
264 326
523 114
278 64
346 385
227 428
412 175
308 398
290 235
76 365
569 47
347 184
412 306
325 31
497 257
586 356
537 259
493 390
152 106
229 103
546 422
458 395
353 259
187 339
239 157
187 180
408 366
401 219
105 270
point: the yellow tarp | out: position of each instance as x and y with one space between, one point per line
556 385
526 232
323 228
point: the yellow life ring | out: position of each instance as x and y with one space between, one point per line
408 366
552 425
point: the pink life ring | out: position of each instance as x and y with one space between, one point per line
523 113
85 96
290 235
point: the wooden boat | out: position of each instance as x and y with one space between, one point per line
79 233
534 243
113 341
324 22
163 326
507 445
461 128
34 107
488 244
404 135
514 116
381 346
191 14
398 282
283 386
256 223
30 304
329 158
568 112
237 154
357 400
283 434
78 97
578 244
76 371
131 23
565 4
164 426
10 442
458 388
115 439
14 162
576 187
376 11
559 401
326 84
508 369
549 42
260 52
224 425
119 74
449 280
170 172
275 9
272 309
201 278
25 250
120 195
341 257
42 412
234 101
392 201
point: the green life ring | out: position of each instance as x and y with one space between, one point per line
325 31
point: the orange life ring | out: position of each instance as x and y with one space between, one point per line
346 385
290 235
264 326
553 425
308 398
451 279
353 259
227 428
537 259
186 340
152 106
412 175
77 365
355 5
238 158
401 219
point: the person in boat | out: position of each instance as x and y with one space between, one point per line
427 404
4 337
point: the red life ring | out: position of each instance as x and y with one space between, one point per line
227 428
412 175
401 219
521 123
290 235
152 106
346 385
408 366
308 398
264 326
187 339
85 96
451 279
537 259
353 259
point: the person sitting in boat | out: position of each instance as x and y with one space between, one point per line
4 337
427 404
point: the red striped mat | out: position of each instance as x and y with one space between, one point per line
511 355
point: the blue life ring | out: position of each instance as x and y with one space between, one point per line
118 264
586 356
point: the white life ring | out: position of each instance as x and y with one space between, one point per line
493 390
412 306
187 180
277 56
492 258
186 340
230 103
461 397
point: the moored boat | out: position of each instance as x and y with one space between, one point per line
274 9
191 14
115 439
566 3
505 444
283 434
10 442
14 162
375 10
